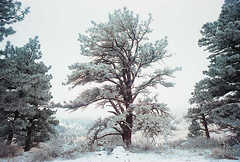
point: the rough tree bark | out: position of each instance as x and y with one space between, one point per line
204 122
28 140
127 130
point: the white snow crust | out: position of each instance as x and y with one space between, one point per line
119 154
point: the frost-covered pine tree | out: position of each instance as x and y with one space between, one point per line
222 39
124 64
10 12
199 111
195 129
25 94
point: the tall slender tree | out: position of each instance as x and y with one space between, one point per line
199 112
25 94
120 50
221 39
24 85
10 12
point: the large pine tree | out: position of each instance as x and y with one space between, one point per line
119 51
25 94
221 39
24 85
199 111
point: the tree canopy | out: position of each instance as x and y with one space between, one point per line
10 12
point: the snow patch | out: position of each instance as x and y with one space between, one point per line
119 154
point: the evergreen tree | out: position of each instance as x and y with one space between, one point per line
222 39
199 122
24 85
10 12
120 50
25 94
199 112
194 129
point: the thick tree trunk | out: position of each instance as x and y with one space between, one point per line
127 130
28 140
204 122
128 99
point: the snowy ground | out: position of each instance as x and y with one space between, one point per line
121 155
172 152
165 155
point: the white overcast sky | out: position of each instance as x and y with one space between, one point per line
58 22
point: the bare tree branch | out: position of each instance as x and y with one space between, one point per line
109 134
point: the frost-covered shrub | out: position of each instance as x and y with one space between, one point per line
236 149
202 143
41 156
174 143
69 141
97 132
69 147
226 152
232 140
59 148
232 150
111 141
152 119
8 150
144 143
70 151
194 129
232 145
46 151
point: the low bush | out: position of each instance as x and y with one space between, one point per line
9 150
201 143
226 152
110 141
144 144
45 151
60 147
75 149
